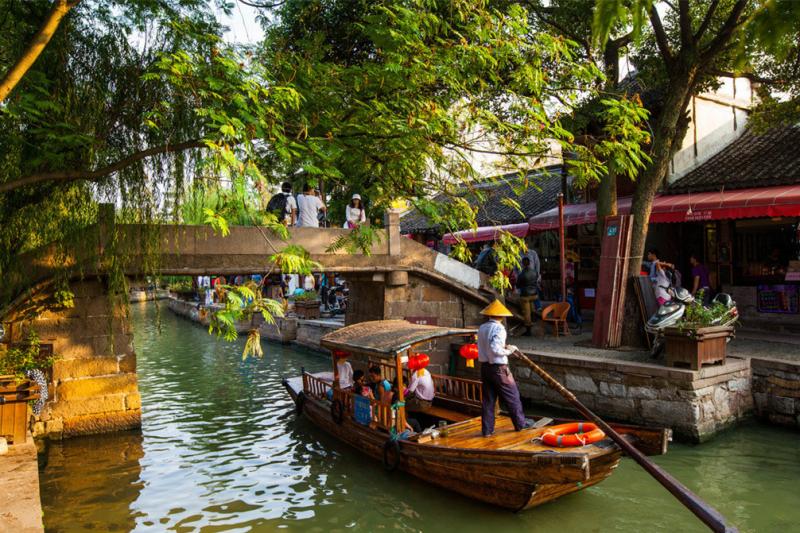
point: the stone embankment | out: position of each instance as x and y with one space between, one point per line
776 391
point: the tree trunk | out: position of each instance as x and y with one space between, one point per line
669 131
606 198
35 47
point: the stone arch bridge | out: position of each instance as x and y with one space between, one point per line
93 384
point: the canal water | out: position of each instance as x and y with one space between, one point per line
221 450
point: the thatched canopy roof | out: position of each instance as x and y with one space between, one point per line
386 338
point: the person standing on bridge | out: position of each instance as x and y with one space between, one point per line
309 205
355 214
496 378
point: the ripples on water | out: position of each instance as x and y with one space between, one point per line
221 450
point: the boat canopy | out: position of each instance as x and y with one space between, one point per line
386 338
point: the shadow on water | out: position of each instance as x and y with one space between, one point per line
221 449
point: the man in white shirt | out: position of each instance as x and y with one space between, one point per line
496 378
420 391
309 205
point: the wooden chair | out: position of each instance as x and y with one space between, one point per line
556 314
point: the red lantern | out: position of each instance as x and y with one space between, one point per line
418 362
470 353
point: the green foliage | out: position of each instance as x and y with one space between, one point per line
306 296
181 284
699 316
359 239
294 259
241 303
19 359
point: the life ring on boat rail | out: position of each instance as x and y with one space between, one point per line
337 411
300 403
391 448
573 434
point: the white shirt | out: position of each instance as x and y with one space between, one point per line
356 215
291 205
661 283
345 374
492 343
308 283
308 207
422 386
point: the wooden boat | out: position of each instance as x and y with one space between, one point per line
509 469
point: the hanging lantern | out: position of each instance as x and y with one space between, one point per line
418 362
470 353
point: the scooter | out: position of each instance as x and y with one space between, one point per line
335 299
673 310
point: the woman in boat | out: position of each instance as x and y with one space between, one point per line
496 378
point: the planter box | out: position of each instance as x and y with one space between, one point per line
697 347
307 309
14 398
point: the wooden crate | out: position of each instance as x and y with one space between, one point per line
698 346
14 398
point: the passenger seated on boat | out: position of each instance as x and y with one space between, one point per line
420 392
359 385
380 387
411 423
344 371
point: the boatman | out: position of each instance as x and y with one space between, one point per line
496 378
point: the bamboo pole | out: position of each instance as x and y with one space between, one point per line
705 512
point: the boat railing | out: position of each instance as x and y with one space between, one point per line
381 412
467 390
315 387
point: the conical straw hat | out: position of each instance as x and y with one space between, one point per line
496 308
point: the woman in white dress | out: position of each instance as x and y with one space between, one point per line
355 215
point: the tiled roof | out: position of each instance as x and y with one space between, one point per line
752 160
492 211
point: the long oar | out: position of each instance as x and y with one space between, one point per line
710 516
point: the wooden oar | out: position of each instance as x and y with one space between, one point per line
710 516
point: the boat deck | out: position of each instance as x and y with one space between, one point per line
467 435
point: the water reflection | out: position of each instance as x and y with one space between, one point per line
221 449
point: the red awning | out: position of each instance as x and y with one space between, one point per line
486 233
780 201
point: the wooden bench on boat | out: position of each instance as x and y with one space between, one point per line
511 469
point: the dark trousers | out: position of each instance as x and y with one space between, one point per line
497 381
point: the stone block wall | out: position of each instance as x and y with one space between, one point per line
284 330
776 391
695 404
93 387
309 332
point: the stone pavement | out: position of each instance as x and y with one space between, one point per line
20 507
747 344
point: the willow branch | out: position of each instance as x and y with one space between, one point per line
90 175
35 47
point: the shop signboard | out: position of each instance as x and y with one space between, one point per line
777 299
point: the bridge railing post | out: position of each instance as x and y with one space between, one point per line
391 220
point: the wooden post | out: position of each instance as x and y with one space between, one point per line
335 371
400 421
562 255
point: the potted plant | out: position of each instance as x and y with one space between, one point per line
306 305
22 380
701 336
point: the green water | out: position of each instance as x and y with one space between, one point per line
221 450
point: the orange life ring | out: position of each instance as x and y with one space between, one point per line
573 434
